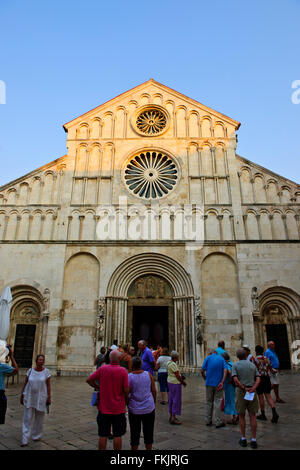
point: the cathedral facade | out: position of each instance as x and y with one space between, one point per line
151 226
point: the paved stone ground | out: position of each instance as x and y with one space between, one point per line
71 423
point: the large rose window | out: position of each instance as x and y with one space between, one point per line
151 175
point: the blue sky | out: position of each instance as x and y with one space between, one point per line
61 58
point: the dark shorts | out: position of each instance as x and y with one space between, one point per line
116 422
3 406
265 385
242 405
135 421
163 381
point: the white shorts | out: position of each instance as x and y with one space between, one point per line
275 378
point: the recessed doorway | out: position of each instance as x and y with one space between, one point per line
278 334
24 345
150 324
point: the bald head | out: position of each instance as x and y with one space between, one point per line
142 344
114 356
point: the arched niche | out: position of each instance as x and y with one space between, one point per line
220 302
76 338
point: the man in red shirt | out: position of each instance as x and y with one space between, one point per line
114 389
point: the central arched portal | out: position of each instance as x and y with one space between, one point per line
152 295
150 313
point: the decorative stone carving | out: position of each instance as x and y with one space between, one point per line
28 312
140 288
46 299
150 287
161 288
254 298
101 316
198 320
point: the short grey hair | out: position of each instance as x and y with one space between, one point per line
174 354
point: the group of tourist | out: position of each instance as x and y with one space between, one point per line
128 380
240 386
125 377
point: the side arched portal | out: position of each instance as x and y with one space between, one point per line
278 319
28 324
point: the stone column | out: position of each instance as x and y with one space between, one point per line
100 322
45 319
185 331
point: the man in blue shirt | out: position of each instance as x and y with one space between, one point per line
147 357
5 369
220 349
273 358
214 371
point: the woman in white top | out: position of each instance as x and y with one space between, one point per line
161 367
35 396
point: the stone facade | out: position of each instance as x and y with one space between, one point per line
156 148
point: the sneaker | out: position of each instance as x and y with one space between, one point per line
253 445
262 417
209 424
280 401
243 442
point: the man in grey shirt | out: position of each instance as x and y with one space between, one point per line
246 378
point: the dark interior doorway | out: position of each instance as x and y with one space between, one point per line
151 324
24 345
278 334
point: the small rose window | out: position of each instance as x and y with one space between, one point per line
151 121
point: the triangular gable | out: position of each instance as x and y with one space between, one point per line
165 88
